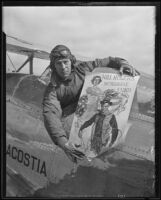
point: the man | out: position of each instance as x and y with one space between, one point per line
105 129
64 89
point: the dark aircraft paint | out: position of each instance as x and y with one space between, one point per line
26 159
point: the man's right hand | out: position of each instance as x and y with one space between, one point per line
73 154
70 150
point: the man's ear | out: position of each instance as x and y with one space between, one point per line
73 59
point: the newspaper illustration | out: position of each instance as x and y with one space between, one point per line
101 118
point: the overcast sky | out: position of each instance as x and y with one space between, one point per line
89 31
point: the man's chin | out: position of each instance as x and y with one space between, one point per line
65 76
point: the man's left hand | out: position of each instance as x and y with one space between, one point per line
128 68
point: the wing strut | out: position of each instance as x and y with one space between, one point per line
30 60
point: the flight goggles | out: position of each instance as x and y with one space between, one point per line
60 55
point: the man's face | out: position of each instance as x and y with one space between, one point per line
105 108
96 81
63 67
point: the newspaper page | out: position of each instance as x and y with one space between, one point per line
101 118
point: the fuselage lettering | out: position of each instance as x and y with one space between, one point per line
26 159
14 153
20 156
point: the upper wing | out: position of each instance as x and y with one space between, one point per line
18 46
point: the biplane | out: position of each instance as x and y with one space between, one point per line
38 168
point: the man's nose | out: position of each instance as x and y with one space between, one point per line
63 65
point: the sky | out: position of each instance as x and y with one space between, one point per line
89 31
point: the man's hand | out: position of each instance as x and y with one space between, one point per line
73 154
127 68
71 151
